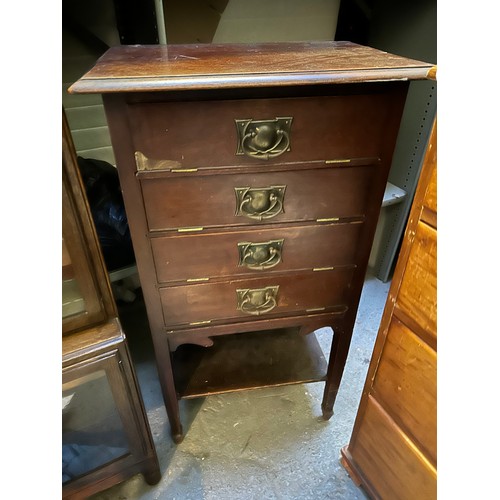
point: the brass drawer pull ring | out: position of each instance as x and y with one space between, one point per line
260 256
257 301
260 203
263 139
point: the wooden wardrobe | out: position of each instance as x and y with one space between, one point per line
392 452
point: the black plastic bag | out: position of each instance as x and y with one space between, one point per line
108 211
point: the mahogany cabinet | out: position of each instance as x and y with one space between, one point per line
393 450
105 432
253 176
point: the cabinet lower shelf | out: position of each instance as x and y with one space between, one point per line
248 361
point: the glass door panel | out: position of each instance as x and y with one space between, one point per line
81 299
72 298
93 434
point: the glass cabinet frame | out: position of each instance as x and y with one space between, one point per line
103 350
81 281
93 342
81 253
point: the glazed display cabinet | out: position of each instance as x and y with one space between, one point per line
105 432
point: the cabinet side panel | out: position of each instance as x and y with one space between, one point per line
418 292
385 454
407 374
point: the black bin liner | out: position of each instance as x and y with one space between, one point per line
108 212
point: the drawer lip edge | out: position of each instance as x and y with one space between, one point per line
172 233
100 85
207 280
338 310
166 232
216 313
249 168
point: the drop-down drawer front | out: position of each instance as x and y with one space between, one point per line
191 201
208 255
255 298
201 134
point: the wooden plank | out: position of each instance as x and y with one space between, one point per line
392 450
91 138
418 292
430 199
407 373
248 361
84 117
429 209
182 67
385 455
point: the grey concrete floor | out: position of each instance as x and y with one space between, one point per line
262 444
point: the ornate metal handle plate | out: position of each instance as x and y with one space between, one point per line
260 256
263 139
260 203
257 301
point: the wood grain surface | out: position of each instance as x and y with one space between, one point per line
203 133
182 67
186 256
172 114
214 302
191 201
392 452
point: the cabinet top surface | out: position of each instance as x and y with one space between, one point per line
92 340
146 68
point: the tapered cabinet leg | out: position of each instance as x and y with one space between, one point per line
166 376
172 407
338 356
177 434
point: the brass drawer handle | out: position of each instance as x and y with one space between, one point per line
260 256
263 139
260 203
257 301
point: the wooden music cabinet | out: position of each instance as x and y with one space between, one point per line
253 177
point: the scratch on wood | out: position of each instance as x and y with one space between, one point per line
246 444
186 57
